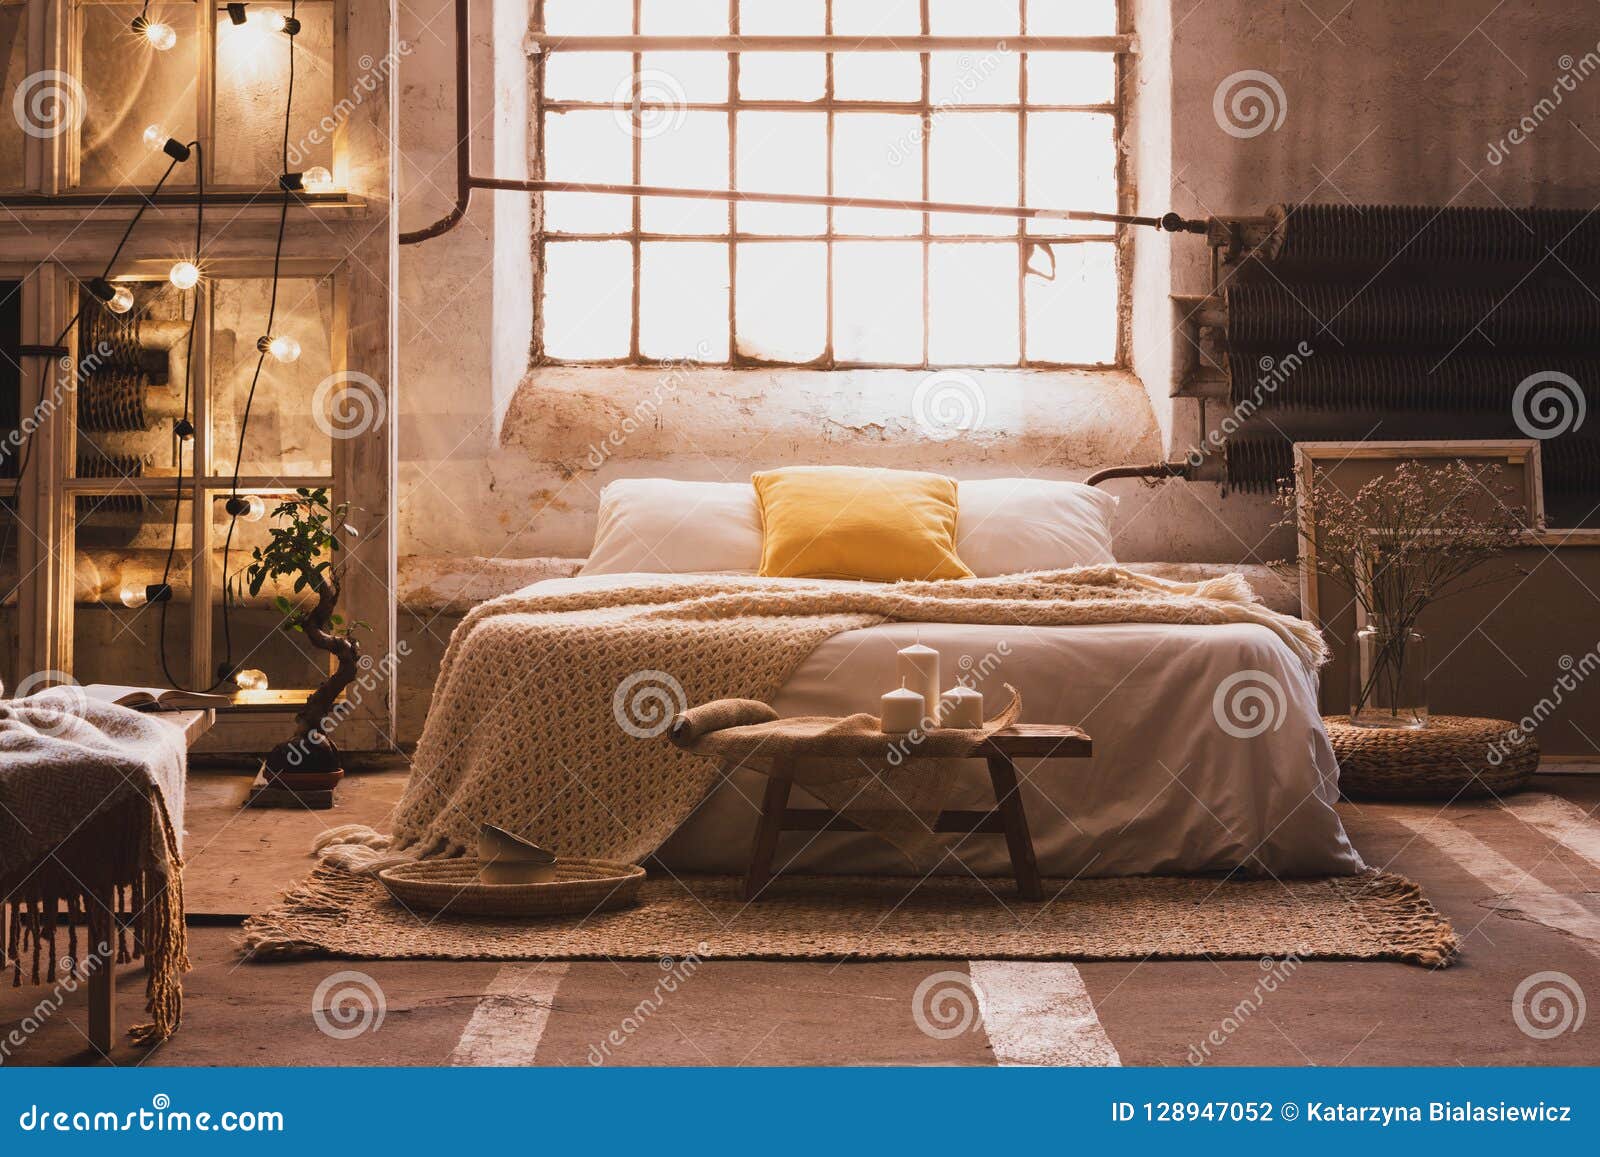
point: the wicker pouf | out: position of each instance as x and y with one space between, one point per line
1454 757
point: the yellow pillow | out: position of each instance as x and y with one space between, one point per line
855 523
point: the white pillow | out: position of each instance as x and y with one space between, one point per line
662 526
1010 525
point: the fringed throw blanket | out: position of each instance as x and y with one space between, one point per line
88 792
549 713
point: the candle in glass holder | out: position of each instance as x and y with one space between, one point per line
902 710
918 668
961 706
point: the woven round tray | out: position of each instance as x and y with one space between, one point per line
1455 756
452 886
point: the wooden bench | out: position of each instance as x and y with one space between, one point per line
102 919
1008 818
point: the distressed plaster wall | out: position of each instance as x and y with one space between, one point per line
1382 103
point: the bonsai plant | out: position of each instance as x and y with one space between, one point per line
1404 541
302 550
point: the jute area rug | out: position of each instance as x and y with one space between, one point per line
1374 916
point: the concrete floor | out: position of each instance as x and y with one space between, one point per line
1525 902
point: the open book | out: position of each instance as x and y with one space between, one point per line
154 698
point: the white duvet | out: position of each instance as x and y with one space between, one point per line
1209 752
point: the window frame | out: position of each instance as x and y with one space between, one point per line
925 107
55 234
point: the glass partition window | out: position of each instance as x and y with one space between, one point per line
202 78
660 279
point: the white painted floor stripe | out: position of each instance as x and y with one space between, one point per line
1563 821
510 1018
1518 890
1039 1013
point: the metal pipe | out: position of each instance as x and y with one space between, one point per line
541 41
466 181
1155 470
745 197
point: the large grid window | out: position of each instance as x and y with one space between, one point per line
629 280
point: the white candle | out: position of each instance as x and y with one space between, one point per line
918 668
902 710
961 706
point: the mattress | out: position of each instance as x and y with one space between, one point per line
1209 753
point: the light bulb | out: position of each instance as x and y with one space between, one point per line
316 179
250 679
184 274
161 36
121 299
284 348
270 20
155 138
258 508
132 595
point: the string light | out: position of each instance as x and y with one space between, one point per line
271 20
133 596
250 679
157 140
283 348
157 34
251 508
317 179
116 298
184 274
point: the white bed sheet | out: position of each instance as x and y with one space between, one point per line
1169 789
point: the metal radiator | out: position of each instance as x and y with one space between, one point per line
1346 322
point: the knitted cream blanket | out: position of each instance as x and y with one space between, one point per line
550 711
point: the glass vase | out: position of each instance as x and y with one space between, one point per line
1388 678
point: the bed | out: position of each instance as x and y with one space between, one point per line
1209 751
1169 790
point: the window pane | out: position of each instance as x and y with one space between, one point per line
291 428
684 16
963 78
125 411
254 624
782 306
143 87
601 76
972 156
690 153
972 303
877 76
1072 17
877 301
121 542
683 300
13 70
587 145
783 152
593 17
973 17
1071 78
668 79
588 295
1074 317
782 76
877 155
252 70
876 17
1071 165
776 17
